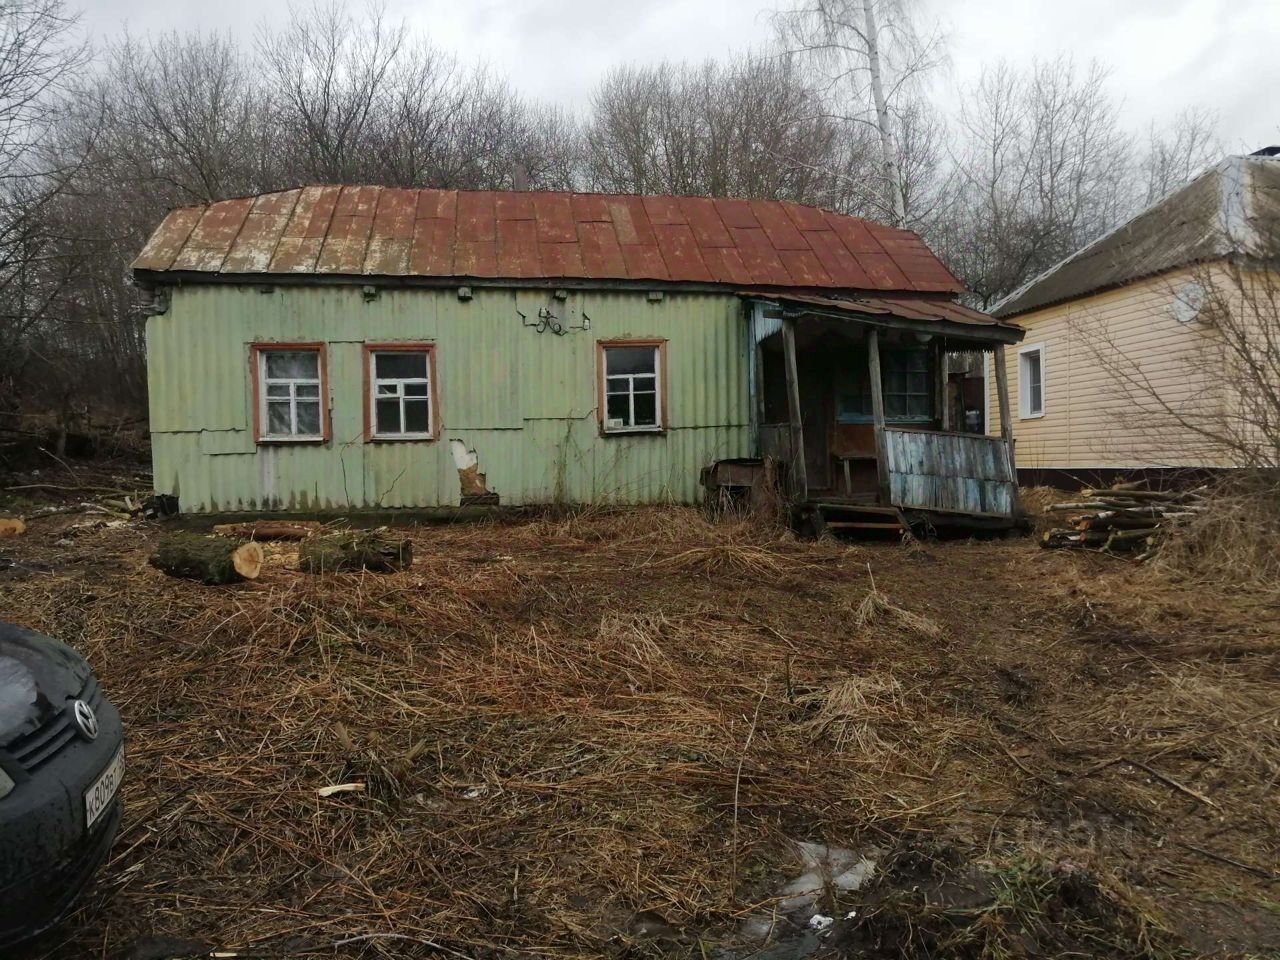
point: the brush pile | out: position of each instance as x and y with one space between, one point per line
1127 518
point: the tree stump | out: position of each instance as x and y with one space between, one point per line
210 560
354 551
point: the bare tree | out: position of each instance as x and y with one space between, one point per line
870 54
752 128
39 54
330 71
1177 153
1045 168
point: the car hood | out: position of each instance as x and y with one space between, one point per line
37 676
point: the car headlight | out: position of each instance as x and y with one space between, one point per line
6 784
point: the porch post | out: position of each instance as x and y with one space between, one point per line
1006 421
877 415
799 475
942 361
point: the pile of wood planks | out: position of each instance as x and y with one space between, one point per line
1126 519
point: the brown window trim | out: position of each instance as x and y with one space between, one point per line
664 423
255 377
423 346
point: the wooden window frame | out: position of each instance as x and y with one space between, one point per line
602 412
889 354
370 418
1024 394
256 377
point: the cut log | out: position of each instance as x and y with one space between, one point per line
12 527
1123 536
1159 495
354 551
1113 523
269 529
210 560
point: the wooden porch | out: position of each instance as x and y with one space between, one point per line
872 415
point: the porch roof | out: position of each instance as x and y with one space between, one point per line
943 317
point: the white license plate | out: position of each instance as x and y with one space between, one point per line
98 797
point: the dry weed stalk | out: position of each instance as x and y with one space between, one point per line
855 712
876 608
1234 540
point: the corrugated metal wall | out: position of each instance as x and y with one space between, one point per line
524 401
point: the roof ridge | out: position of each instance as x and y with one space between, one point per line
1107 235
205 204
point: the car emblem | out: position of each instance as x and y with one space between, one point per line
85 720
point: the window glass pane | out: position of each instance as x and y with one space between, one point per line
646 410
617 385
1033 382
308 418
630 359
619 408
311 390
417 390
388 416
400 365
849 404
416 417
278 419
293 365
388 389
278 390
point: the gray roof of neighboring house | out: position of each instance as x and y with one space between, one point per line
1231 208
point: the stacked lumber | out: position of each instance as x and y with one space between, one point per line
1126 518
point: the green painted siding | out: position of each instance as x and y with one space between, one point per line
524 401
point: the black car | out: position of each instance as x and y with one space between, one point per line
61 763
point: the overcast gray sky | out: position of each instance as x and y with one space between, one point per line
1164 54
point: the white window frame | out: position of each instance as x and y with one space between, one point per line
1025 412
659 405
427 351
261 351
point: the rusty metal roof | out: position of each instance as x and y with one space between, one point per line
1231 208
922 311
369 231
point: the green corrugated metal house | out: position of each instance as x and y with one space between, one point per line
332 348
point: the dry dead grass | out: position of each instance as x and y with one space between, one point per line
1235 540
566 721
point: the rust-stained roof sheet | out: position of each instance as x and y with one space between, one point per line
366 231
1231 208
902 307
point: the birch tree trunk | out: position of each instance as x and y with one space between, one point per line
888 148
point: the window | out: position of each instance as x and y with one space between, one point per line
632 380
1031 381
290 389
400 379
908 397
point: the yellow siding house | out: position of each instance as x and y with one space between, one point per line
1123 366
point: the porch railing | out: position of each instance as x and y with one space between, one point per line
950 472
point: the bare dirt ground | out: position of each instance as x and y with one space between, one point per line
602 735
